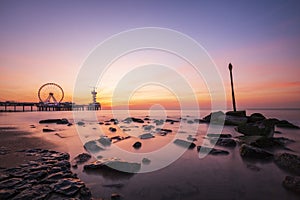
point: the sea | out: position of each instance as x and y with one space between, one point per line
168 171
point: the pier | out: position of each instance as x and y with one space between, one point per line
11 106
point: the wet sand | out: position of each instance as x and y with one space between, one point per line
14 140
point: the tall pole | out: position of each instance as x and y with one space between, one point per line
232 90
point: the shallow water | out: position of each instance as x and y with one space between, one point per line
175 173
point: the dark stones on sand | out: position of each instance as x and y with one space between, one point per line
82 158
92 146
112 129
114 164
261 128
292 183
211 151
105 141
248 151
226 142
158 122
288 162
148 127
146 161
185 144
54 121
146 136
133 119
137 145
80 123
45 130
172 121
48 177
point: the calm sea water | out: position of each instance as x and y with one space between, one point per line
173 173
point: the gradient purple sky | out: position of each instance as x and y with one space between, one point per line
47 41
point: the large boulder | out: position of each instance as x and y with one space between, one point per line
288 162
263 128
230 118
248 151
256 117
54 121
286 124
292 183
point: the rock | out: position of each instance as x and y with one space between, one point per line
80 123
247 151
54 121
101 123
256 117
146 119
288 162
8 183
263 128
146 161
107 124
216 116
7 193
253 167
114 164
133 119
92 147
68 186
286 124
191 138
158 122
137 145
241 113
146 136
46 130
105 141
190 121
265 142
200 121
82 158
292 183
171 121
115 196
219 135
148 127
226 142
185 144
112 129
234 120
212 151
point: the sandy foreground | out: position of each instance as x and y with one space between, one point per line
14 140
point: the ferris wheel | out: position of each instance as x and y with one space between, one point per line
50 93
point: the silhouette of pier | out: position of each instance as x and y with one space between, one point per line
11 106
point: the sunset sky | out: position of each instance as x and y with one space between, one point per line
47 41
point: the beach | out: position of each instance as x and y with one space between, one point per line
188 177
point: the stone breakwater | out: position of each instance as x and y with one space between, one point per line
47 177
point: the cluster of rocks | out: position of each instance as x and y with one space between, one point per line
47 177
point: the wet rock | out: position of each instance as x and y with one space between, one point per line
226 142
185 144
256 117
265 142
230 118
148 127
146 119
219 135
146 161
45 130
54 121
82 158
247 151
137 145
200 121
292 183
112 129
8 183
92 147
288 162
190 121
114 164
80 123
211 151
133 119
101 123
172 121
68 186
191 138
107 124
158 122
146 136
115 196
263 128
241 113
286 124
105 141
7 193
